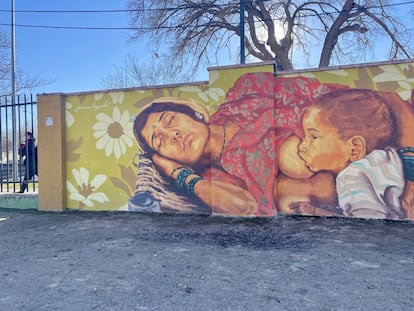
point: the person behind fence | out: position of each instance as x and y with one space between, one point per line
28 151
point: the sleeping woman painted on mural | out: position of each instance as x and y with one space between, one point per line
230 160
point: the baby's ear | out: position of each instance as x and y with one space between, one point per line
359 148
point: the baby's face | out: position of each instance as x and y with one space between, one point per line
322 149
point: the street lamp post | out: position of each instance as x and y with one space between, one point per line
242 55
13 90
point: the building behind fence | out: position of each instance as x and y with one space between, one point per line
16 118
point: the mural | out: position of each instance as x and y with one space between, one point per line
249 143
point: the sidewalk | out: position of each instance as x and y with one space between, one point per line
132 261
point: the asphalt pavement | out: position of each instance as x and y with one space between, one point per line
136 261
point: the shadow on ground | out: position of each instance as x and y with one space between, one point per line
131 261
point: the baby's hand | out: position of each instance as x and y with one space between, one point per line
306 208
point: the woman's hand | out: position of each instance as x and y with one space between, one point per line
407 199
222 198
165 165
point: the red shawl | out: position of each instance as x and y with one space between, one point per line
268 109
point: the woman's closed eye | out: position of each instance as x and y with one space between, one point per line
157 142
168 119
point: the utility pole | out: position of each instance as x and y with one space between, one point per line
13 95
242 55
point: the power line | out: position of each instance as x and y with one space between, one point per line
196 6
80 11
83 27
141 10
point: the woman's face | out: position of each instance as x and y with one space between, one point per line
176 136
322 149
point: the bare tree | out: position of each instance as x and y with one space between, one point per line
160 70
24 82
274 30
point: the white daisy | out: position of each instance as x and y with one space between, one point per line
85 191
113 134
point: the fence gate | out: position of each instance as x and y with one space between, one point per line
16 119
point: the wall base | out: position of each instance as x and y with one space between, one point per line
19 201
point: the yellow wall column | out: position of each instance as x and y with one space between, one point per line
51 152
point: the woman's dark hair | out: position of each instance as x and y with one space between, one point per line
142 118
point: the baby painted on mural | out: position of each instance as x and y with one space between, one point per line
356 135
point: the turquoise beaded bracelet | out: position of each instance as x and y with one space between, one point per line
191 184
408 162
181 177
176 169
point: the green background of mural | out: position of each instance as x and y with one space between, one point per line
397 78
100 141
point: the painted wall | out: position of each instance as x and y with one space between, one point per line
249 142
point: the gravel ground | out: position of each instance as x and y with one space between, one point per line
132 261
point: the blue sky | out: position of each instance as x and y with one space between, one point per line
75 59
78 59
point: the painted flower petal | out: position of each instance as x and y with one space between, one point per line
84 175
69 118
76 175
98 180
117 148
103 118
98 96
127 140
213 76
71 188
100 197
88 202
128 131
218 91
406 95
339 72
102 142
203 96
76 197
389 76
124 120
109 147
100 126
116 114
405 84
99 134
122 145
212 94
117 97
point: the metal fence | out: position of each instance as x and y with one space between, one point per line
17 117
